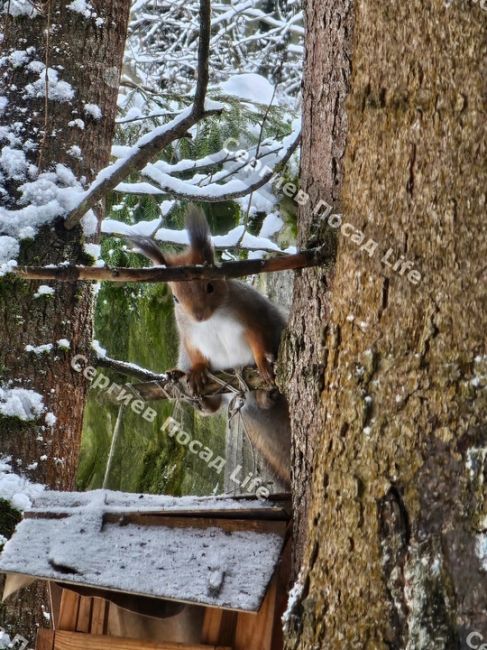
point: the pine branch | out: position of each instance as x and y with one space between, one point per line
165 185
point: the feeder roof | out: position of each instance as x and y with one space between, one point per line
218 552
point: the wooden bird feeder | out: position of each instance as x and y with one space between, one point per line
139 572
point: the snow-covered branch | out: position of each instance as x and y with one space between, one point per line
150 144
237 236
164 184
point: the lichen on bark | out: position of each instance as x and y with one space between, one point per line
397 413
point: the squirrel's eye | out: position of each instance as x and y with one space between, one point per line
210 288
175 299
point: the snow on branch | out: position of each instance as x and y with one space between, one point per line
237 236
164 184
152 143
249 36
131 369
311 257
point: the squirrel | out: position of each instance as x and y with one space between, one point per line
225 324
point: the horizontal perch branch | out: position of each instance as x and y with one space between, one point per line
311 257
173 385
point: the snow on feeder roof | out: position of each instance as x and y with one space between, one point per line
219 552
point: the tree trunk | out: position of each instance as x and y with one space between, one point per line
327 78
395 552
86 53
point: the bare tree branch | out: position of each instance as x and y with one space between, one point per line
203 57
173 385
150 144
311 257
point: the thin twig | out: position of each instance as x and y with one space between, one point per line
249 204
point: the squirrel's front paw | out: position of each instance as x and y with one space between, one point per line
266 369
175 374
209 405
197 379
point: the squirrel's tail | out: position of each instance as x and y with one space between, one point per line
149 248
269 431
199 235
200 250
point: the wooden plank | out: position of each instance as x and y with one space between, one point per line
212 625
99 616
68 614
280 513
282 578
45 639
254 631
279 509
218 626
84 615
77 641
228 525
55 594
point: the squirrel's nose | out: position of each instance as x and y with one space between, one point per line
199 316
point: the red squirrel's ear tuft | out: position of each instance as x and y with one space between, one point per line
199 236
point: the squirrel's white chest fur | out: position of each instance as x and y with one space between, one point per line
221 340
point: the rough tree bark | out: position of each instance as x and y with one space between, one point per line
327 74
86 52
394 374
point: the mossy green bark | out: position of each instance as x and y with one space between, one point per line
397 407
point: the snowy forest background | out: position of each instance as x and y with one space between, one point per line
255 71
385 379
253 104
256 54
